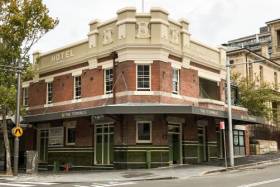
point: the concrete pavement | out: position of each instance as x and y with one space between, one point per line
260 176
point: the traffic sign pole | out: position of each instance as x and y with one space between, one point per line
17 121
222 128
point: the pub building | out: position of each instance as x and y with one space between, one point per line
138 92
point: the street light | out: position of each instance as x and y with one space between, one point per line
230 133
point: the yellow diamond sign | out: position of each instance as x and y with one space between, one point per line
17 131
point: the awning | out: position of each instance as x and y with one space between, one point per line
142 109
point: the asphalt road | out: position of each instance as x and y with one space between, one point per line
259 177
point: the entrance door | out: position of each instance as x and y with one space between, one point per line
202 143
104 141
175 143
43 140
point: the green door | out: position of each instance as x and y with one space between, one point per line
43 145
104 141
174 134
202 143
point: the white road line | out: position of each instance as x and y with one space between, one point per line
16 185
38 183
111 184
260 183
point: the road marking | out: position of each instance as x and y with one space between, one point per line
38 183
108 184
16 185
260 183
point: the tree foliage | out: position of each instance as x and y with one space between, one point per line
256 95
22 24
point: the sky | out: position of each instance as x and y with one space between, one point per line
211 21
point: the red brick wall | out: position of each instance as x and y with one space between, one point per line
128 69
189 84
62 88
159 131
92 82
211 130
37 93
84 132
190 129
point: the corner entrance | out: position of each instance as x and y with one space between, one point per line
175 143
104 144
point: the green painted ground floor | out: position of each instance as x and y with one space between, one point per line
130 141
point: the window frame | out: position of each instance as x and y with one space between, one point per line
178 81
137 131
137 86
48 93
75 87
56 137
110 79
25 96
70 125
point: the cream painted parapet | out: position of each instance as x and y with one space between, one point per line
159 26
36 56
126 25
93 34
185 34
223 56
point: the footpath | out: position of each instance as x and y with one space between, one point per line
166 173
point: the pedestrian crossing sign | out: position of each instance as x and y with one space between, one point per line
17 131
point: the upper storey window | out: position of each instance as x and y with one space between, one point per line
77 87
144 77
25 96
49 92
108 77
175 81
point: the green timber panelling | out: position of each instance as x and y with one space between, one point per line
190 151
159 156
74 158
213 151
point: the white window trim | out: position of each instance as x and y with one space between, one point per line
150 78
62 136
69 125
74 90
178 85
144 141
104 82
47 98
23 96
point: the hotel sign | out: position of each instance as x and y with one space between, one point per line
62 55
74 114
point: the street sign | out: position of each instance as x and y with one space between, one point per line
222 125
17 131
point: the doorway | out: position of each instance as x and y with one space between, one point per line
43 142
104 144
202 143
175 143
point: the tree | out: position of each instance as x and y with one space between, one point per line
23 23
256 96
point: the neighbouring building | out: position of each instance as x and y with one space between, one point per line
255 42
267 70
137 93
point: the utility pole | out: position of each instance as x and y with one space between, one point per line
143 6
230 134
17 120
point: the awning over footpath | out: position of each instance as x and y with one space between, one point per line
143 109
